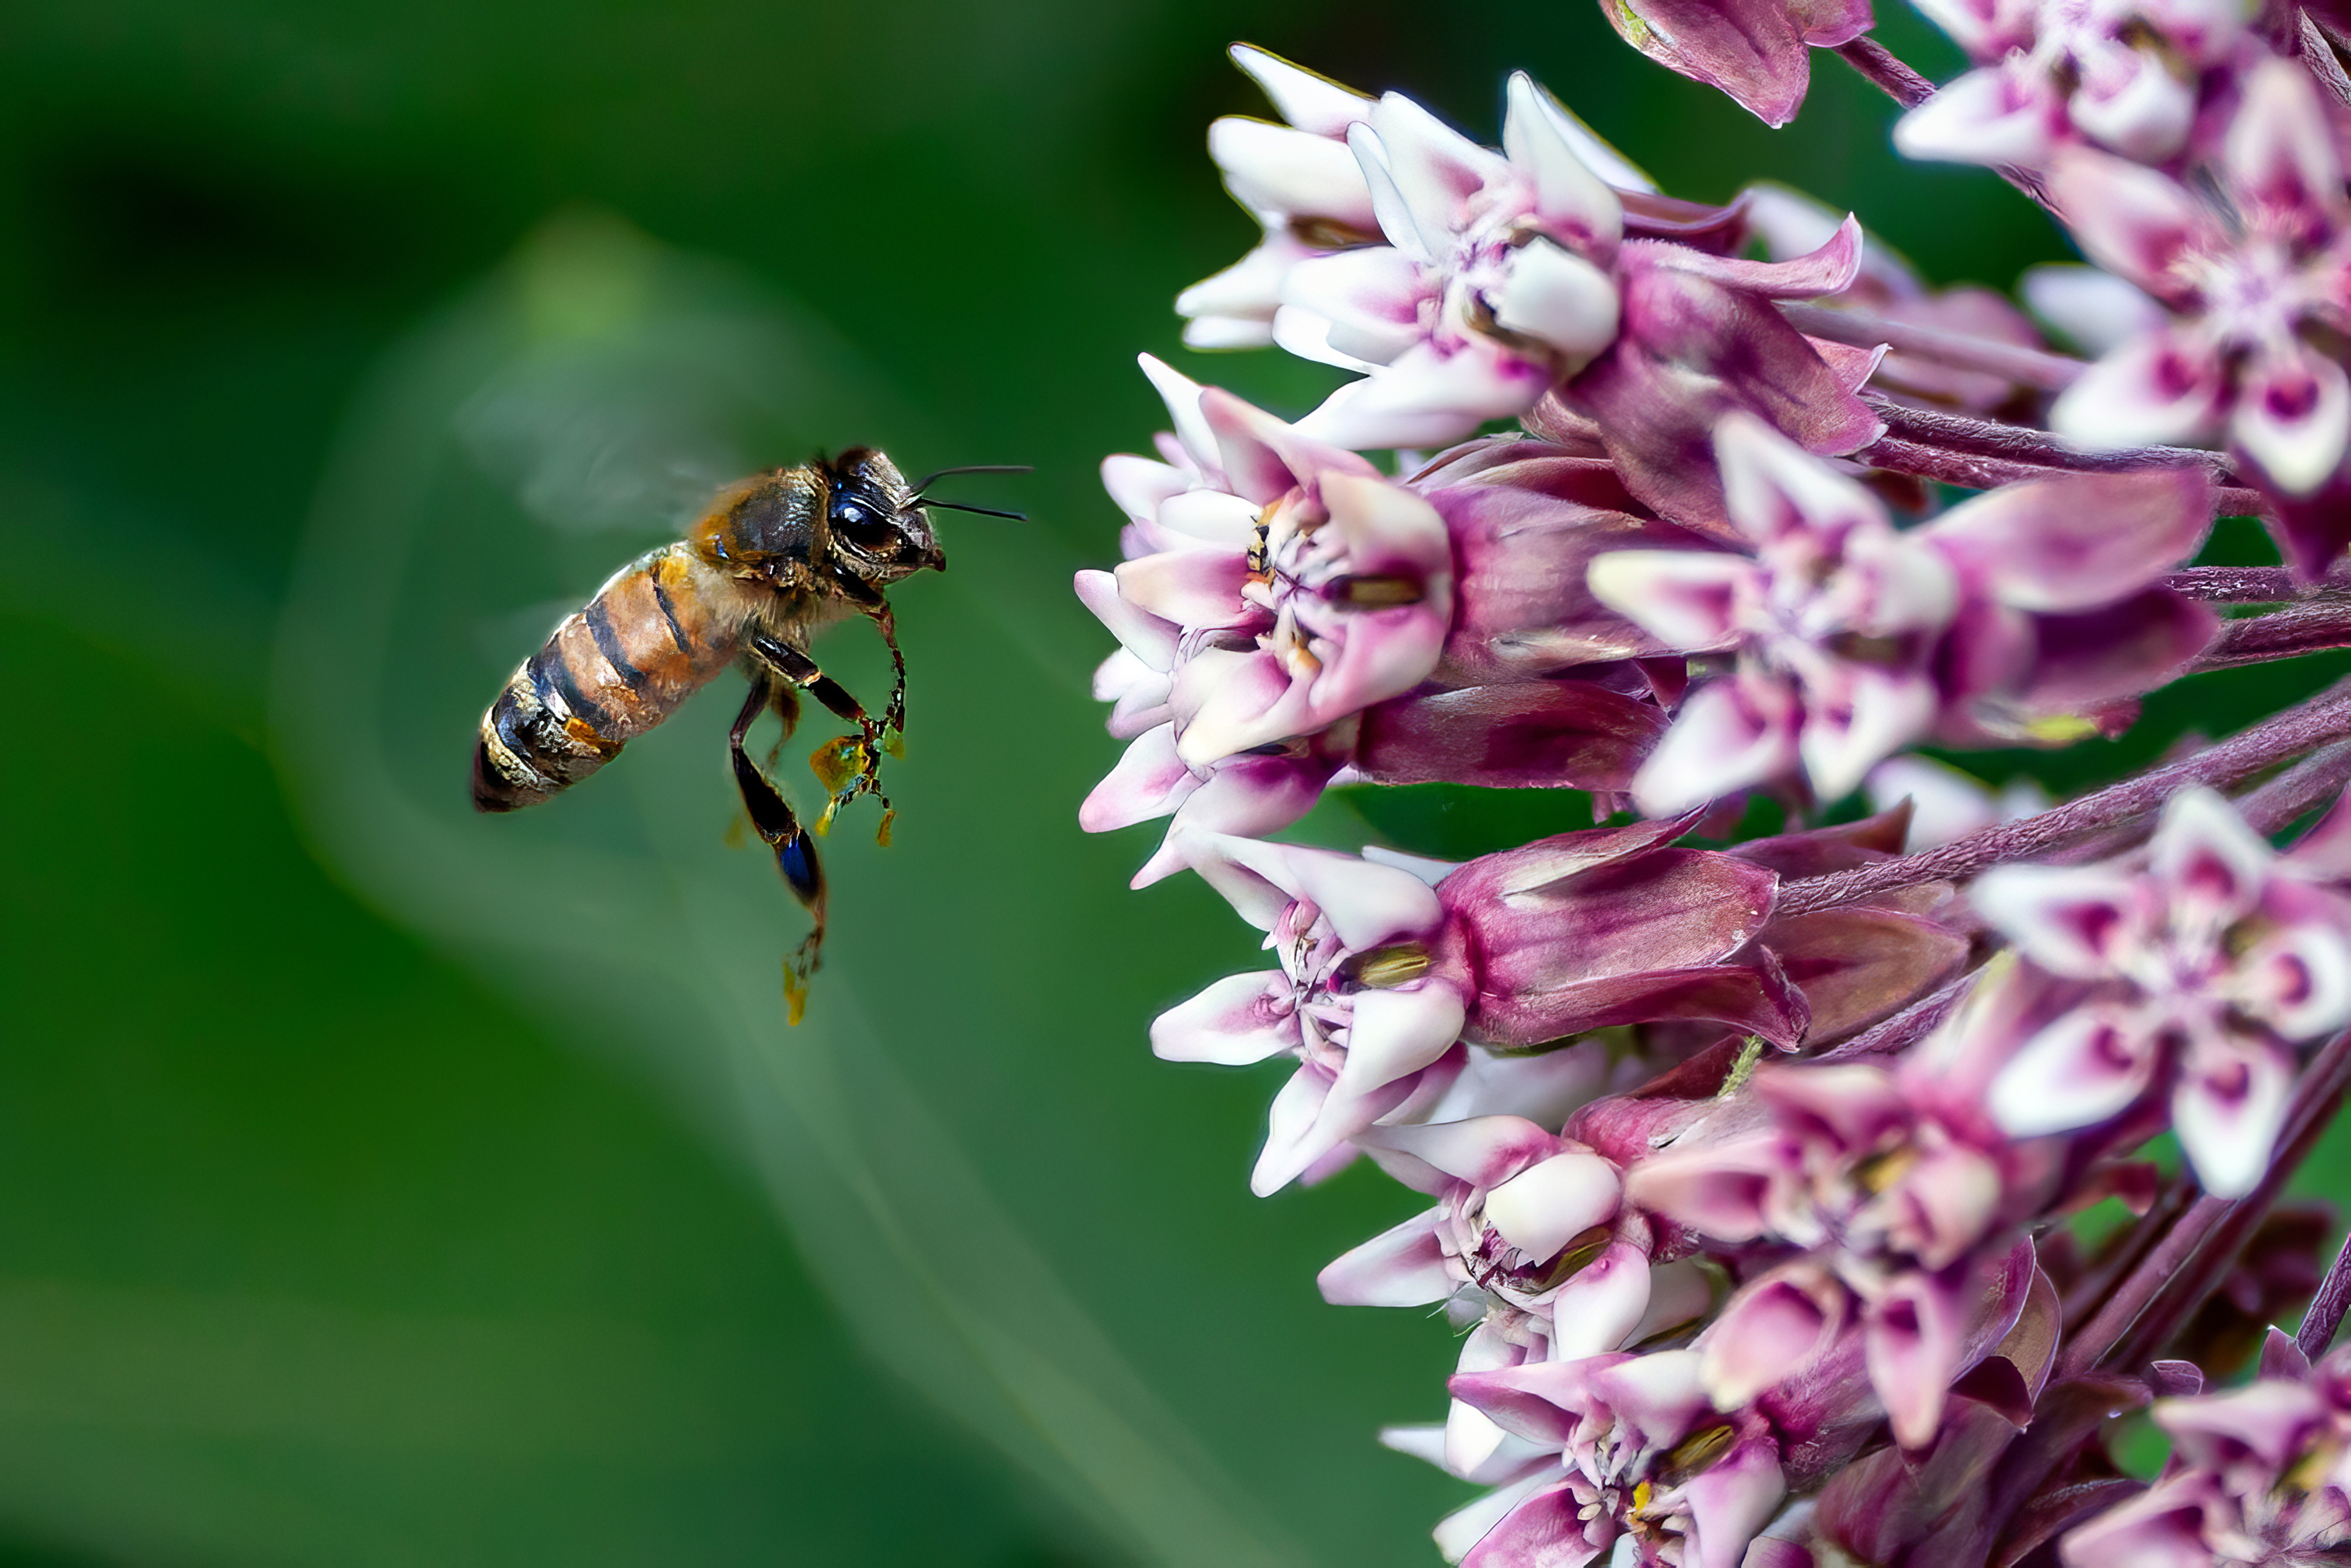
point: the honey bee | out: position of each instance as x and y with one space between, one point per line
775 559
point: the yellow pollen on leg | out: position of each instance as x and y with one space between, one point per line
838 761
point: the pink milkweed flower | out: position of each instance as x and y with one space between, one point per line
2206 965
1380 972
2124 74
1494 281
1649 1470
1502 274
1300 182
1286 613
2259 1476
1758 51
2255 276
1851 640
1276 586
1901 1202
1529 1241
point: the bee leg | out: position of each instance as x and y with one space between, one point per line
876 609
848 766
772 819
893 715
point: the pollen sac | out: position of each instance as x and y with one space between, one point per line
838 761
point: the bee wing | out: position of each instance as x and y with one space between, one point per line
619 434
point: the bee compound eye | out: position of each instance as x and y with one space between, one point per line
868 530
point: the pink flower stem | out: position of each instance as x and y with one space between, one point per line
2084 1296
2029 450
1992 438
1979 472
1884 70
2323 718
2326 1308
2235 584
2313 782
2274 806
2282 634
1860 330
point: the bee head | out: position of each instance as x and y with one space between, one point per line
877 527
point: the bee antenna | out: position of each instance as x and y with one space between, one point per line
983 511
972 468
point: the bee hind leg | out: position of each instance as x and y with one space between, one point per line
773 820
850 766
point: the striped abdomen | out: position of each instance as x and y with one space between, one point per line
654 635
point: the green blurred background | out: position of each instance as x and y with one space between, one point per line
382 1185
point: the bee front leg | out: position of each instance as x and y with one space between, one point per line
773 820
848 766
870 604
893 715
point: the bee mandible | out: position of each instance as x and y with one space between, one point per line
775 559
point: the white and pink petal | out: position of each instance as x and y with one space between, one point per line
1403 1266
1570 199
1430 395
1553 295
1307 99
2291 417
1773 488
1687 599
1543 1208
2228 1106
1239 1020
2085 923
2160 389
1732 733
2088 1065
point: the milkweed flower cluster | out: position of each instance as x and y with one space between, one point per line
1749 1164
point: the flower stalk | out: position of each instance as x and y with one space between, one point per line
2324 1319
2323 719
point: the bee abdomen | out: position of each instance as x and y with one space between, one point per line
652 636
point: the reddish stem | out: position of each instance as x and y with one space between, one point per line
2041 448
1977 471
2326 1308
2282 634
2235 584
2083 1297
1860 330
2311 782
2323 718
1884 70
2031 451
